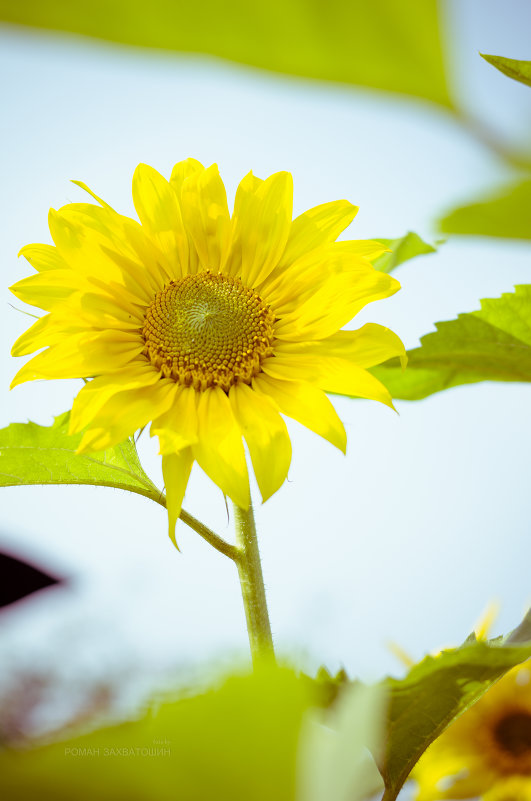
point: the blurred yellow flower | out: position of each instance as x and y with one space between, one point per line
487 751
207 325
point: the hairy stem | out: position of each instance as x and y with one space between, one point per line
213 539
252 587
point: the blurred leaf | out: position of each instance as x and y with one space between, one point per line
433 694
334 760
493 344
522 633
507 214
233 743
34 454
385 45
327 687
402 249
517 70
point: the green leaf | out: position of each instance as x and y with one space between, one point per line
433 694
402 249
506 214
326 686
517 70
493 344
384 45
233 743
34 454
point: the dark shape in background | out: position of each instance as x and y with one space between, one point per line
19 579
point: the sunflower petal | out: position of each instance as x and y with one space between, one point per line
293 286
157 205
78 225
47 290
183 170
334 302
148 269
368 248
206 216
178 427
43 257
96 197
307 404
156 202
317 227
341 377
220 449
36 337
333 374
370 345
124 413
465 776
176 469
100 311
247 188
82 355
96 244
95 394
266 435
260 226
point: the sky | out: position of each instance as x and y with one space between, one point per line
425 521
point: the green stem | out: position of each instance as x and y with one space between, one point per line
252 587
490 139
210 536
213 539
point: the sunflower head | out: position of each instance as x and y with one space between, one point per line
487 752
209 325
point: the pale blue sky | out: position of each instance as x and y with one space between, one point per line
426 519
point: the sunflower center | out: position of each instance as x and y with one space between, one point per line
208 330
513 733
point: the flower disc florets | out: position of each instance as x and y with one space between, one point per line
513 734
208 330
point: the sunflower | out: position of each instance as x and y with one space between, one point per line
487 751
206 325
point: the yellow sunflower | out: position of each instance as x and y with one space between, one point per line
207 325
487 751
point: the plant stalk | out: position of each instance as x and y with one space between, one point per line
213 539
252 587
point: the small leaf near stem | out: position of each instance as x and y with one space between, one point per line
252 587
